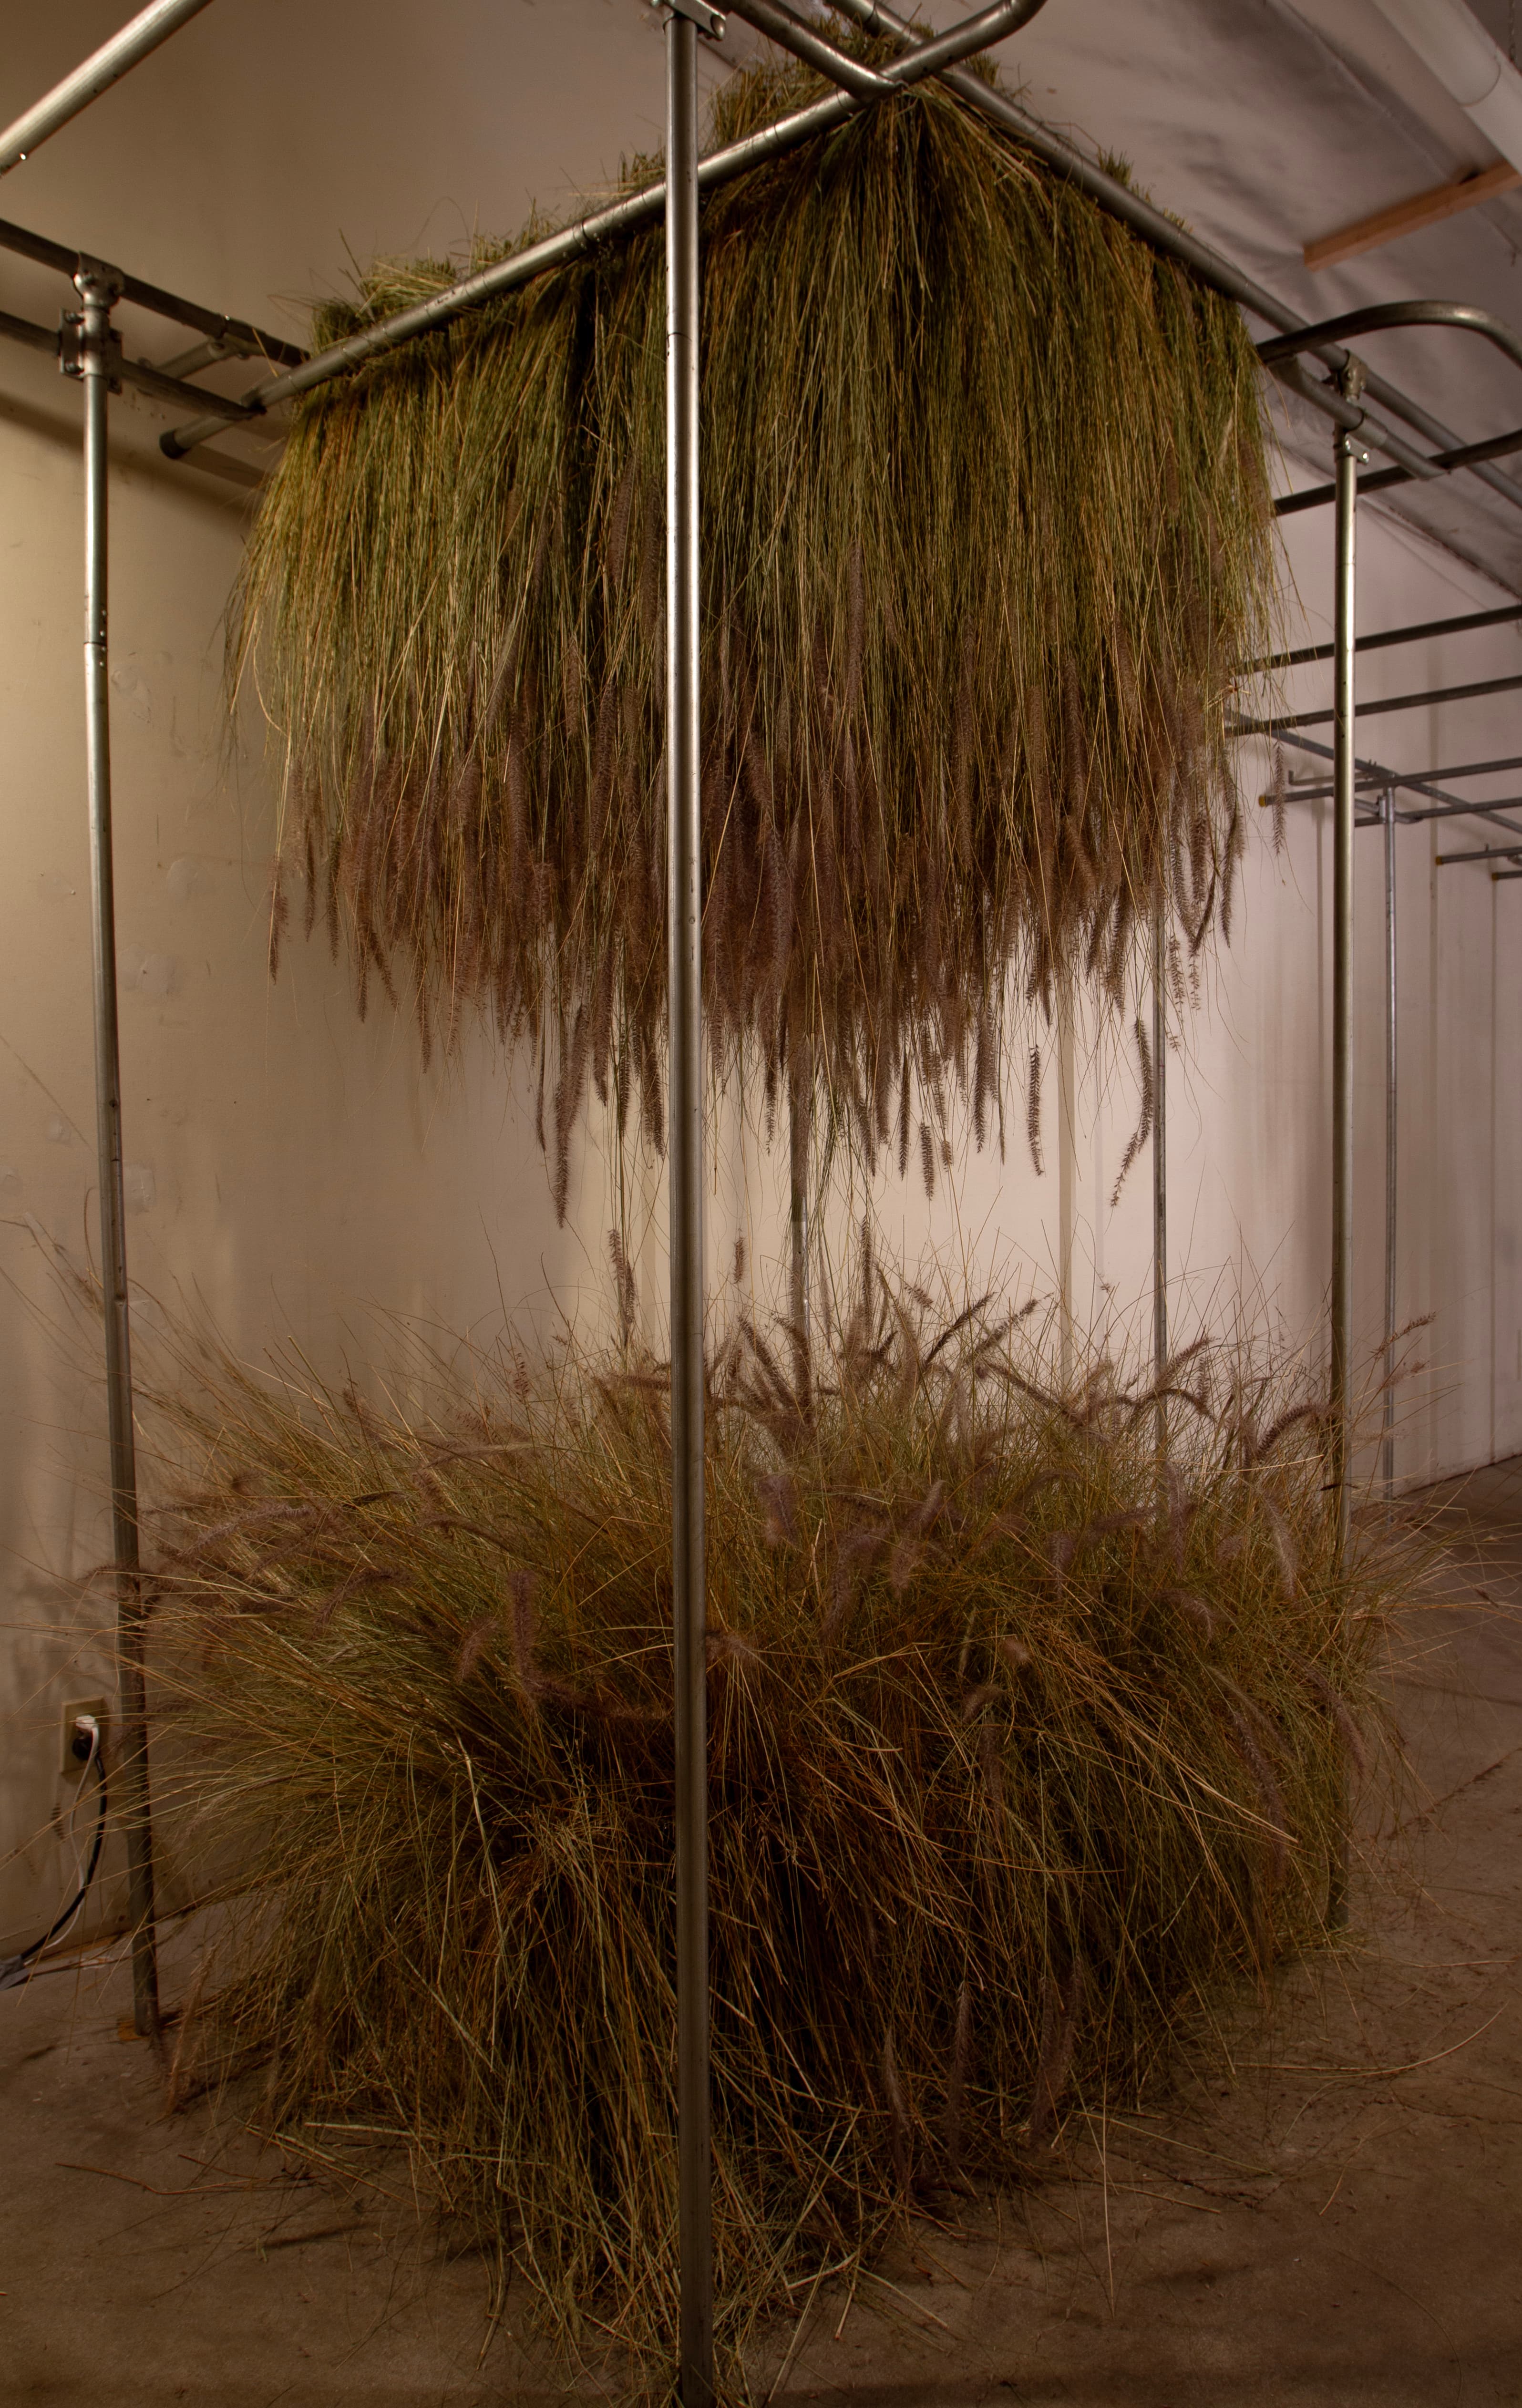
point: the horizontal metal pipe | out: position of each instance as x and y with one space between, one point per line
22 330
97 74
1473 811
1173 240
630 215
1468 455
201 355
1316 497
243 341
1371 710
1487 853
1490 813
1478 768
1374 773
140 373
1498 877
1455 809
149 379
1466 623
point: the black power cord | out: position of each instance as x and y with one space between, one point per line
14 1970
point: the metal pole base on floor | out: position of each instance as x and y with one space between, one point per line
91 356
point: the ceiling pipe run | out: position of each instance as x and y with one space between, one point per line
1454 46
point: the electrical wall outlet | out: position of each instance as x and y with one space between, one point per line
73 1708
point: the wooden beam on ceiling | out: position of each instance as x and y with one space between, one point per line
1409 217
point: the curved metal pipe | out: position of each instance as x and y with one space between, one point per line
1379 316
789 33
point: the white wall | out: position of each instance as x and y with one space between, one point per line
295 1173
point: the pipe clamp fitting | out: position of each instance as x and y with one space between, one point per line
80 354
707 21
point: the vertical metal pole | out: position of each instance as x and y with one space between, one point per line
798 1198
1159 1154
1342 778
1391 1144
1067 1175
694 2146
1347 457
98 293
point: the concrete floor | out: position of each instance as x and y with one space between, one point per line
1339 2222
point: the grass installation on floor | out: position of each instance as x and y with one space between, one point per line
987 535
1029 1736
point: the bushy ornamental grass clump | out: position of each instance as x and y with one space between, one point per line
986 542
1030 1715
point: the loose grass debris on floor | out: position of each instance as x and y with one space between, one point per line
986 535
1026 1739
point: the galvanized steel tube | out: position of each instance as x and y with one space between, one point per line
1345 770
798 1130
243 339
685 1191
1343 773
100 70
806 43
98 295
1391 1157
1159 1150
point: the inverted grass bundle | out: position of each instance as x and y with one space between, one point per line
986 537
1024 1740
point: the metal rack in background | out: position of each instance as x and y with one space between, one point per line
1355 430
1354 786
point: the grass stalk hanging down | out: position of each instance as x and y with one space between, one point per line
1028 1740
986 533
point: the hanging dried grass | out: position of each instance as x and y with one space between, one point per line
986 532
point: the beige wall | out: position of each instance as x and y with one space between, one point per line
297 1174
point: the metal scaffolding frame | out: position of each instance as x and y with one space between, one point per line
1282 353
87 347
